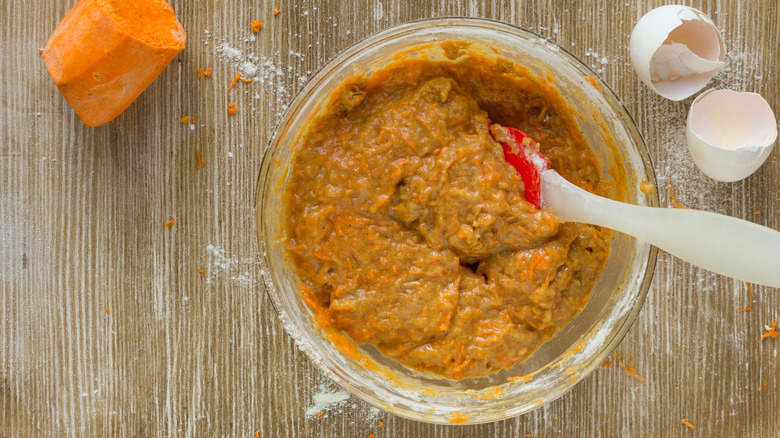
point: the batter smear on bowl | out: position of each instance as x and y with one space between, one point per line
409 229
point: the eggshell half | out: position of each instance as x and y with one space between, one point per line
730 134
676 50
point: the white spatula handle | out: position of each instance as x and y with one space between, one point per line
722 244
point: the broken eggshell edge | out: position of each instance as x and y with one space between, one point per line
650 33
728 164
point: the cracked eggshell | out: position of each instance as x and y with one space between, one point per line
730 134
676 50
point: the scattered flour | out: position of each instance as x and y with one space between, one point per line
277 79
237 270
327 397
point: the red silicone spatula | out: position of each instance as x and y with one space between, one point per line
722 244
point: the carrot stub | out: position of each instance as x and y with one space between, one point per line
104 53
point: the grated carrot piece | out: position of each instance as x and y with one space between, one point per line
199 158
200 72
276 12
207 73
170 223
772 333
235 81
750 293
256 25
688 424
673 199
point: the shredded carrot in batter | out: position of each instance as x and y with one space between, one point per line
750 292
772 333
673 199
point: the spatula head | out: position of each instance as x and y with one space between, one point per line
522 152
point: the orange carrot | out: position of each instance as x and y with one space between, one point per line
256 25
207 73
772 333
750 292
104 54
276 11
235 81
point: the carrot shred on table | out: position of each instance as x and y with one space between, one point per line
185 119
40 51
607 363
630 370
673 199
256 25
381 423
170 223
772 333
319 415
276 11
247 80
257 433
232 110
207 73
529 435
688 424
200 72
750 293
235 81
109 308
756 211
199 158
201 272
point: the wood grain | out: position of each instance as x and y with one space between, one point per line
108 329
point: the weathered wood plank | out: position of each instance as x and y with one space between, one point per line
107 327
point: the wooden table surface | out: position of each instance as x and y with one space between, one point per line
108 328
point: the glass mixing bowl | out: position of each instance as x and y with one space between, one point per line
575 351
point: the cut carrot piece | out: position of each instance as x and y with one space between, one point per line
256 25
104 53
